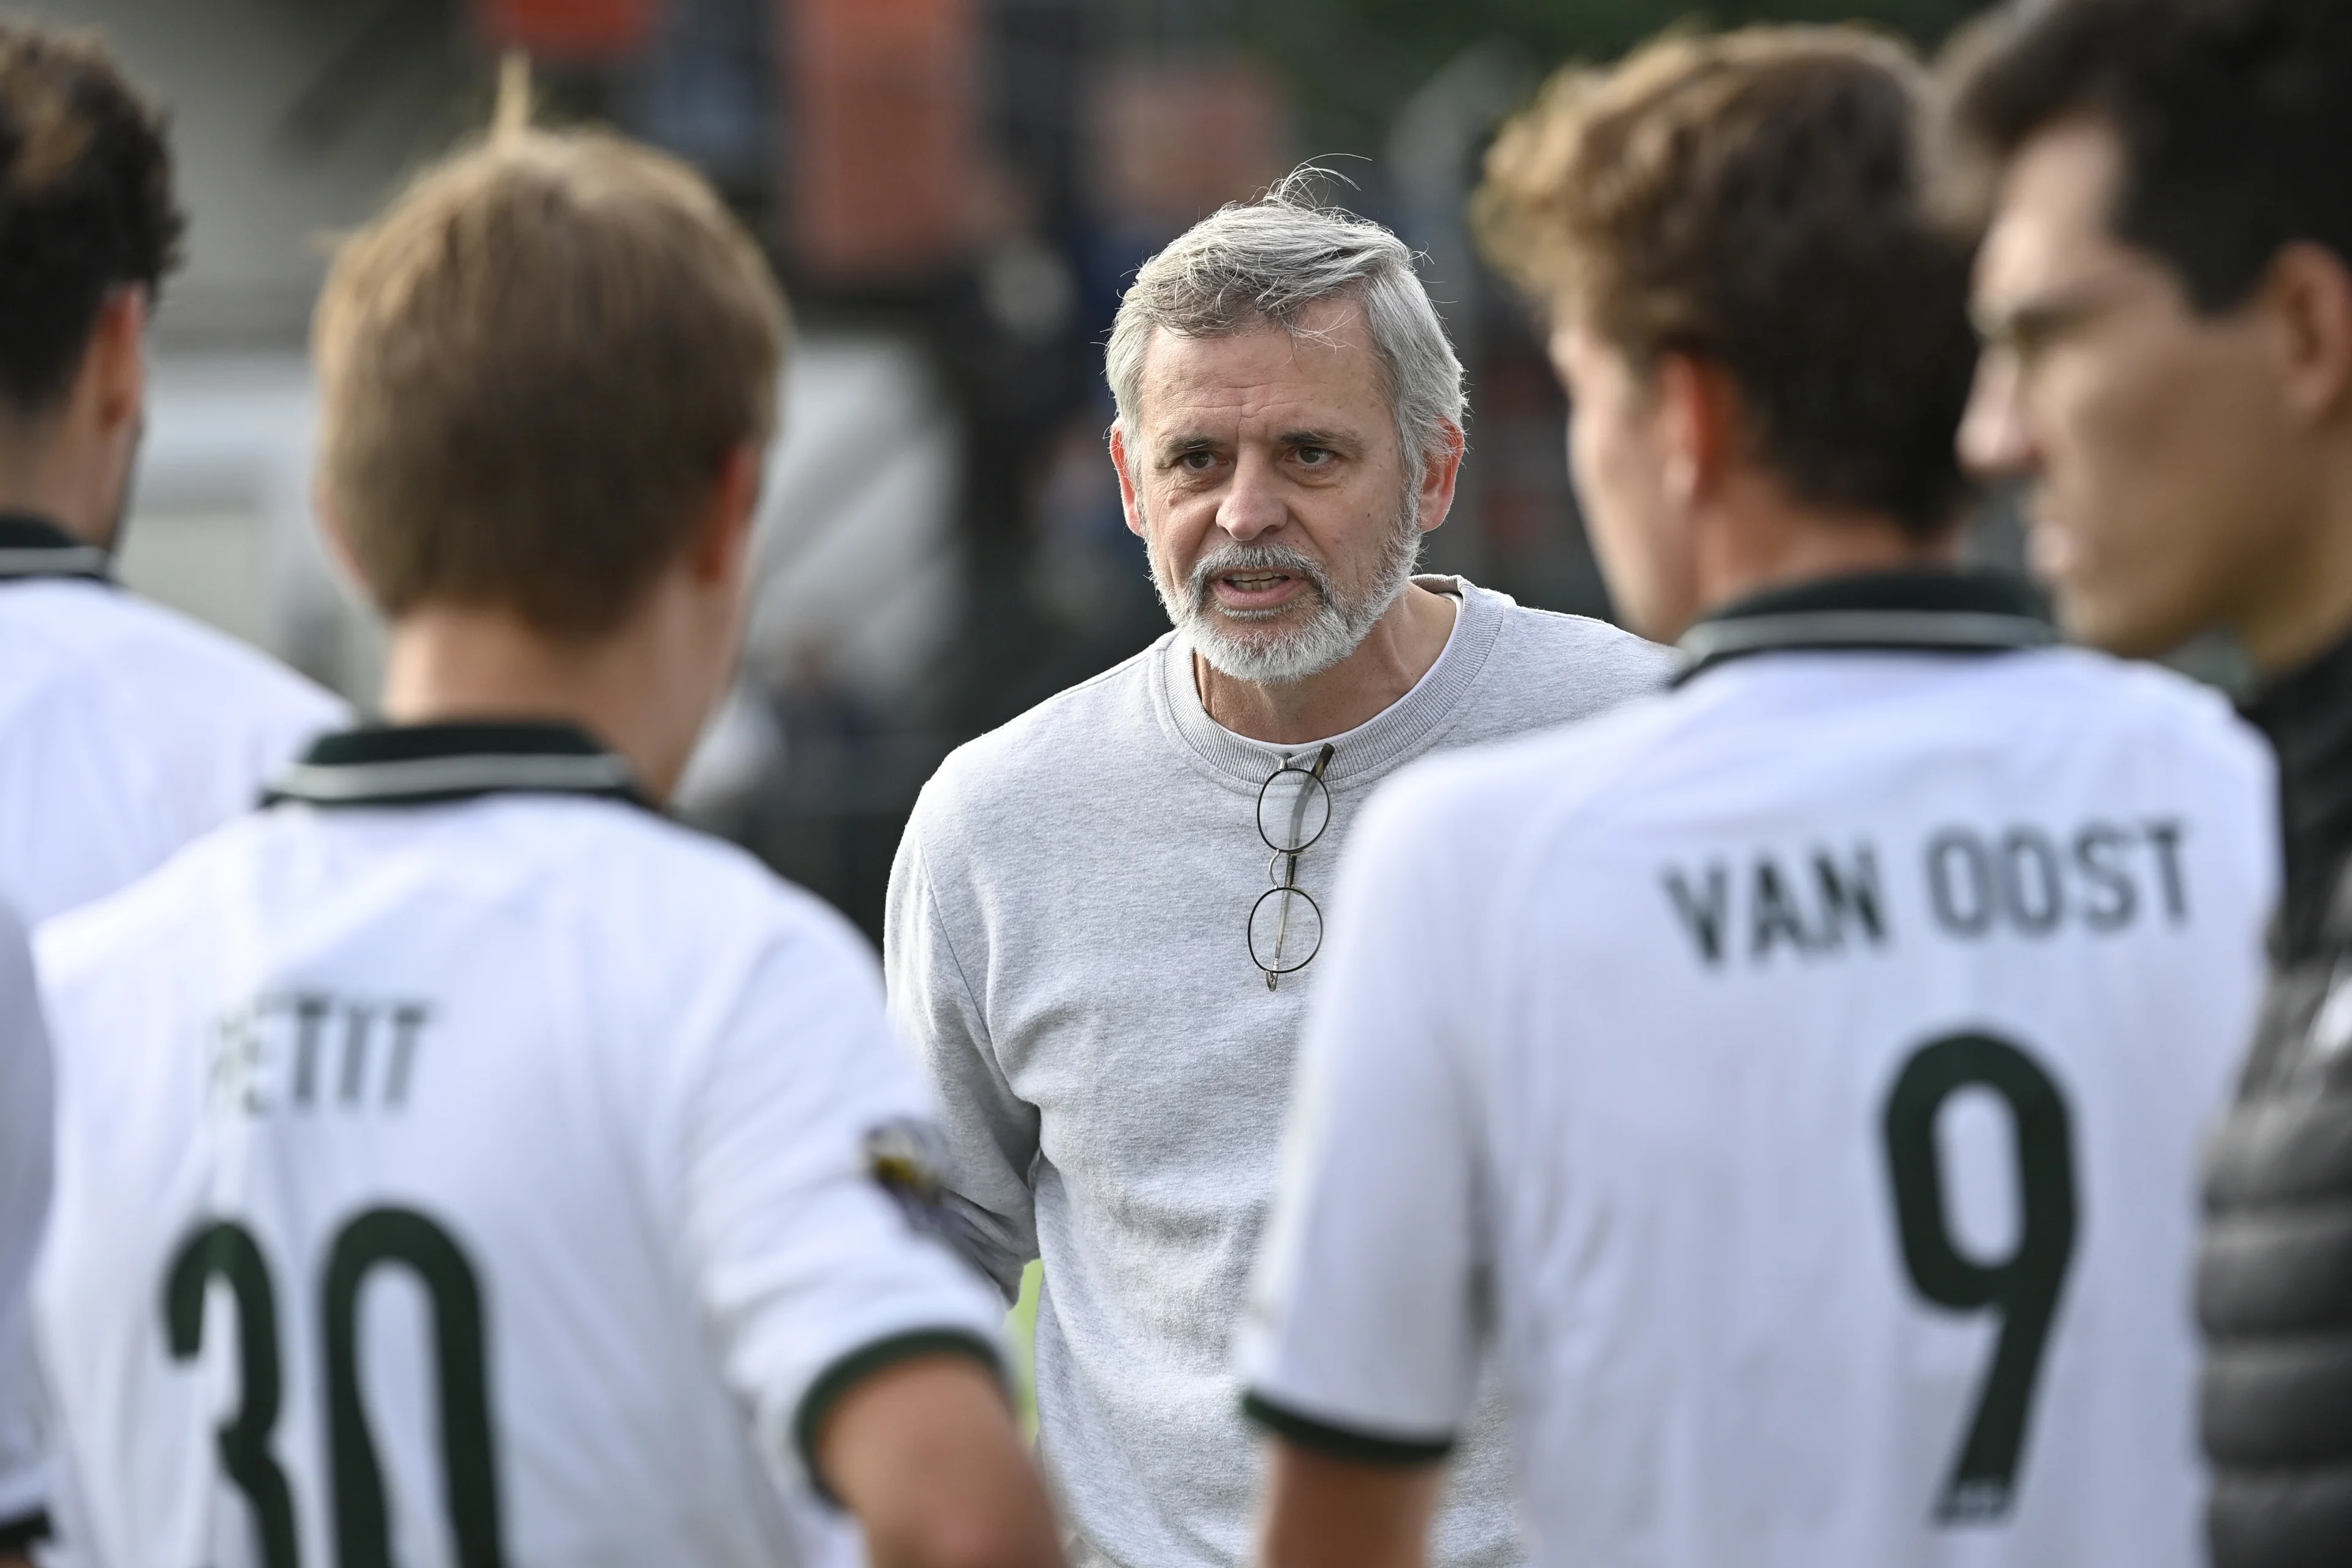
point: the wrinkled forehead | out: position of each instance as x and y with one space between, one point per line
1321 361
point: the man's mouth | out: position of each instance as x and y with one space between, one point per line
1255 589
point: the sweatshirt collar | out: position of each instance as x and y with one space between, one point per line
1920 611
429 764
1400 732
33 546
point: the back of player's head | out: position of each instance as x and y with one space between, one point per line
533 367
1756 199
2234 116
1270 262
86 206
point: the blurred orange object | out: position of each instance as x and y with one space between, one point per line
884 134
578 30
1175 141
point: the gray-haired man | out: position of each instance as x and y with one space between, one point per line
1104 917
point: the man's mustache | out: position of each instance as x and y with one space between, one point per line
1257 558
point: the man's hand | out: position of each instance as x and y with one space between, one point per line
1323 1513
926 1456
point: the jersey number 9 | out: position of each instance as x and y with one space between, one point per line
2023 1287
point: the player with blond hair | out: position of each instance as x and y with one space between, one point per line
1797 1078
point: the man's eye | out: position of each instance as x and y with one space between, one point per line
1196 462
1315 456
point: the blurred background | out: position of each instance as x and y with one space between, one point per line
954 192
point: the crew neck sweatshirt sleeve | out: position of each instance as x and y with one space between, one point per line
990 1134
1363 1337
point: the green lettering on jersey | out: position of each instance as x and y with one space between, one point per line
227 1250
1702 914
2023 1288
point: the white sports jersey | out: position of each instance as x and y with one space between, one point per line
1800 1077
126 729
458 1163
23 1202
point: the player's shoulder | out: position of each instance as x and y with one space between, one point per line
1004 775
159 918
650 882
675 924
97 642
1492 794
644 882
2130 687
2103 695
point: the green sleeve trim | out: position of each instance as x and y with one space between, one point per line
19 1534
1339 1442
835 1382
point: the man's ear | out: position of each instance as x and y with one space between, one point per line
117 358
336 541
722 549
2307 292
1698 427
1132 507
1440 472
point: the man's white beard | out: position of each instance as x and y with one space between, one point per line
1279 656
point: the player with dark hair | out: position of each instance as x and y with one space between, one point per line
90 226
2165 296
456 1160
1796 1078
125 730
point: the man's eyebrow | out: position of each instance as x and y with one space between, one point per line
1176 447
2007 316
2039 315
1331 439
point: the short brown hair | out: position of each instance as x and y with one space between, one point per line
533 367
1755 198
86 206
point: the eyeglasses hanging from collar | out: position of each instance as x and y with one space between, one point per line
1285 926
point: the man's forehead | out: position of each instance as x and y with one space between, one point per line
2049 224
1324 364
1331 330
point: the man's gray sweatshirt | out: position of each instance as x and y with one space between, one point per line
1067 953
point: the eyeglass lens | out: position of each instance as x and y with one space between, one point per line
1293 810
1284 931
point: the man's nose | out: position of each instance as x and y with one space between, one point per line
1251 506
1994 441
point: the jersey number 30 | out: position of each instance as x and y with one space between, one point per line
2023 1287
228 1251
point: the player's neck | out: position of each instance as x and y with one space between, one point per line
70 464
642 692
1754 539
62 472
2299 603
